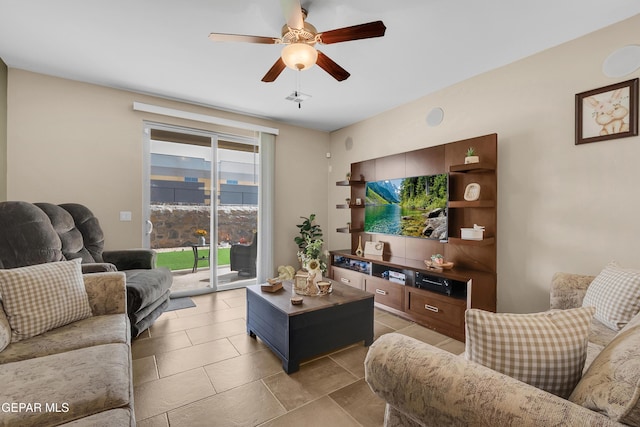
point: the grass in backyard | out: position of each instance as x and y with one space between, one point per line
183 259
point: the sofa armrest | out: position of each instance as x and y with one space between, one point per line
131 259
434 387
568 290
98 267
107 293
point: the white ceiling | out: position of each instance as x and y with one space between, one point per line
161 47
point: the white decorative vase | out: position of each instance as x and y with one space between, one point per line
202 240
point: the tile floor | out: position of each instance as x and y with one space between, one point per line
198 367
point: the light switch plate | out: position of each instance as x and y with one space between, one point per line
125 215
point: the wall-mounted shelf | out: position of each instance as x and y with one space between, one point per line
349 230
348 183
487 241
345 206
473 167
472 204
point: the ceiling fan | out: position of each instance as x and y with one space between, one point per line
299 38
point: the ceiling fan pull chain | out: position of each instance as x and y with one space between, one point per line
298 88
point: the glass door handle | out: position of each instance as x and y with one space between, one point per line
149 227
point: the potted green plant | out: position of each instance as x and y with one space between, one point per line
471 156
310 243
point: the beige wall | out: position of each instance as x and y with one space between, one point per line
75 142
561 207
3 130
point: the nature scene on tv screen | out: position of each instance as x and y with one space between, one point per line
414 207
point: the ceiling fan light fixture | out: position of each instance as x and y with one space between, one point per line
299 56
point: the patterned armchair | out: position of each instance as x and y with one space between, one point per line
426 386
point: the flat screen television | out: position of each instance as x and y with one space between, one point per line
411 207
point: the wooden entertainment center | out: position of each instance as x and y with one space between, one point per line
474 272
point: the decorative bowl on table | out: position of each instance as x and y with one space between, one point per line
437 265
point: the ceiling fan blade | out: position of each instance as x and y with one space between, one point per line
356 32
274 71
292 12
330 66
220 37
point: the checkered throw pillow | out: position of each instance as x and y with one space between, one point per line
42 297
5 329
615 293
546 350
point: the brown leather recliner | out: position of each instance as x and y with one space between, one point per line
44 232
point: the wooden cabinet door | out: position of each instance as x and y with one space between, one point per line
348 277
385 292
443 313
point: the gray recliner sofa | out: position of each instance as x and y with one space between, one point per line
70 231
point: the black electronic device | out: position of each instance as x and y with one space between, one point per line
439 284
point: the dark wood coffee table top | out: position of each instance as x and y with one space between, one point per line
281 299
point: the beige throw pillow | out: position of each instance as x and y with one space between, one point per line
42 297
546 350
615 293
611 385
5 329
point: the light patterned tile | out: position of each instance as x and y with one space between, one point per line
156 397
144 369
236 302
233 293
202 306
157 421
423 334
216 331
393 322
195 356
245 344
228 314
380 329
361 403
247 405
180 324
156 345
314 379
144 334
243 369
167 315
452 346
352 359
322 412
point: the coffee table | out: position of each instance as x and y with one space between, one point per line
320 324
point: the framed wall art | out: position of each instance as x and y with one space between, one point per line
609 112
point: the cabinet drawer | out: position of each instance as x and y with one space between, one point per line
348 277
438 308
385 292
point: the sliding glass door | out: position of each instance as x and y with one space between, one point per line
202 192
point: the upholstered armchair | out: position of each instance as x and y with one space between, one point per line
243 258
44 232
425 386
